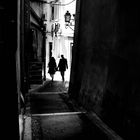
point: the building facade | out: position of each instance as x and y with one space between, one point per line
36 43
59 37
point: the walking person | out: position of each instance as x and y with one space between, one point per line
62 66
52 67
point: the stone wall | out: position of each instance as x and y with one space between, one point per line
37 7
105 68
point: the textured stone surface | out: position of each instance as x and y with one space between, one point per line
27 128
105 72
60 118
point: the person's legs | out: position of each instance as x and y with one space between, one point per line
62 74
52 76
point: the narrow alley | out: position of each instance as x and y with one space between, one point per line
98 41
55 117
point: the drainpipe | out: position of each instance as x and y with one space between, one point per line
21 101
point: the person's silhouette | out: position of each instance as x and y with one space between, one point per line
52 67
62 66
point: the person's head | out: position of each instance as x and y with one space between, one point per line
52 59
62 56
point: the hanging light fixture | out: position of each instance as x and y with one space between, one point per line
67 17
68 20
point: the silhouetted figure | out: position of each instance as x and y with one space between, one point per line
62 66
52 67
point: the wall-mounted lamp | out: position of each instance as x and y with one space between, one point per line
68 20
67 17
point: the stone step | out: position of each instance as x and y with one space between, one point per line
36 81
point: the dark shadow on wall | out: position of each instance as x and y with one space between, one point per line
8 86
106 70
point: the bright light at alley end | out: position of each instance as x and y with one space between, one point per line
67 16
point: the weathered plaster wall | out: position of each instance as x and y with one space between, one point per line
37 7
105 68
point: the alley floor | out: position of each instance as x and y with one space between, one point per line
53 117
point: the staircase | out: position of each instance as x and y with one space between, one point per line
35 72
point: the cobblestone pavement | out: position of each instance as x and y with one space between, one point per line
55 117
56 86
